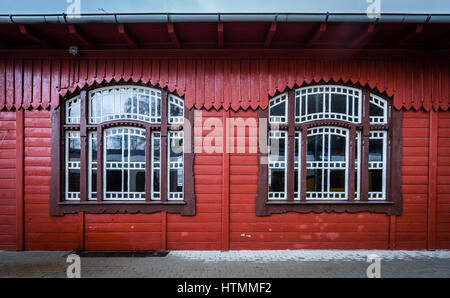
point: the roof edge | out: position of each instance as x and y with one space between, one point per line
63 18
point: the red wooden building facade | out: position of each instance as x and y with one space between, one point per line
224 69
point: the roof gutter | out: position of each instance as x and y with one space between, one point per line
219 17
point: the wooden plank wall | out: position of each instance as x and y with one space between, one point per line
443 182
8 235
228 221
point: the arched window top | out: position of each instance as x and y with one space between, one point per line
73 110
176 110
328 102
377 110
125 102
278 109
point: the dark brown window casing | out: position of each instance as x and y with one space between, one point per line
391 206
59 206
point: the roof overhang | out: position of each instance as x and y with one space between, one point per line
225 30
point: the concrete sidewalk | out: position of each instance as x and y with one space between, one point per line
240 264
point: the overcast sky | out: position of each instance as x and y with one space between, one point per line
91 6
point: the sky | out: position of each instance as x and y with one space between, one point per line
117 6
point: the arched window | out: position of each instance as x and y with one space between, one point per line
331 148
125 149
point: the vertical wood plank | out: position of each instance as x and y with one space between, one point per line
20 141
163 230
225 184
432 179
392 231
81 230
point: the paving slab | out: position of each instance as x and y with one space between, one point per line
232 264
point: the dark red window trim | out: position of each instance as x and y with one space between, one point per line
393 203
59 207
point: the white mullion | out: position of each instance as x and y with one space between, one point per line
384 164
347 163
67 164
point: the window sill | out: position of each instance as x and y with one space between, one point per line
123 207
328 202
277 207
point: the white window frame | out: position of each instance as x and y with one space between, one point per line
275 164
282 98
377 165
352 94
126 165
177 165
96 98
71 165
329 165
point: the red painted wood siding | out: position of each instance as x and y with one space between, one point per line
239 83
411 229
443 183
203 231
213 227
7 180
43 232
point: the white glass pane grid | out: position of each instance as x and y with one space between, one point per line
123 165
156 164
73 108
353 95
327 164
382 104
175 139
275 102
274 163
379 165
71 165
92 165
178 102
298 140
106 104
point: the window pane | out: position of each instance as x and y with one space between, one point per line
73 111
375 180
314 146
114 180
137 149
137 181
315 103
337 148
337 180
156 179
74 181
277 149
313 180
375 150
143 104
94 180
276 183
277 109
376 110
339 103
114 148
176 180
74 149
176 150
